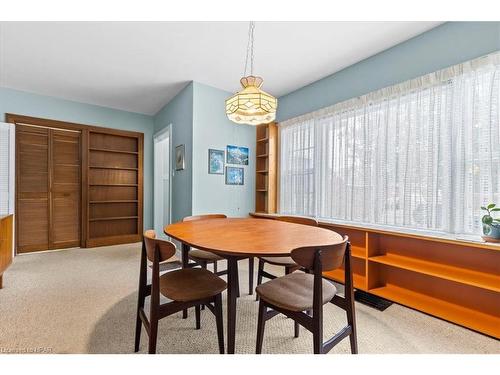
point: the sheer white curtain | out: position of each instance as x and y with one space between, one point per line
424 154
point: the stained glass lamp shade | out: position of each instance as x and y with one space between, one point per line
251 105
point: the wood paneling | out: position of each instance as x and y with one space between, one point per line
6 244
452 279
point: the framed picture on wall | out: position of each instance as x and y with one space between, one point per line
215 161
180 162
237 155
235 176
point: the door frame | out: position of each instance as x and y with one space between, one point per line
162 132
14 119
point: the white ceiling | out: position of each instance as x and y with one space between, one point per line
141 66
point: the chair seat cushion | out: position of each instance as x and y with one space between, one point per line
294 291
190 284
197 254
280 261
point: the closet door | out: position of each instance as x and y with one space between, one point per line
48 190
32 188
65 167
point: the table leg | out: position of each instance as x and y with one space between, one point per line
232 292
185 262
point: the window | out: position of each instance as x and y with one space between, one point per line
6 169
424 154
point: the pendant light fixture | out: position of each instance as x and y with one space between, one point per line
251 105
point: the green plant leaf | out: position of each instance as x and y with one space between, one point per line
495 209
484 208
487 219
491 205
498 220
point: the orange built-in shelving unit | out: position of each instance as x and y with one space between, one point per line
455 280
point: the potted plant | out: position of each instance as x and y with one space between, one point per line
491 226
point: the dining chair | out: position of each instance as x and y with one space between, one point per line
297 292
202 257
185 288
286 262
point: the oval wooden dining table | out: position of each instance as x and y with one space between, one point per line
238 238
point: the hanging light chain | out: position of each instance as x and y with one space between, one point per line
251 28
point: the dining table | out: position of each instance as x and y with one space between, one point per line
239 238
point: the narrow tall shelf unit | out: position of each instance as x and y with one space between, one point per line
114 188
455 280
265 170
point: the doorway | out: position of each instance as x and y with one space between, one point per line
162 180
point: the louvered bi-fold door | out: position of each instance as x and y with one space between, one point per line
48 188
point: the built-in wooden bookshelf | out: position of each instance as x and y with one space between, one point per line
114 188
266 164
452 279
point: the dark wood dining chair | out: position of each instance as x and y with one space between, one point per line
202 257
184 287
287 262
297 292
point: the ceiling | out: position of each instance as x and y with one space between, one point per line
141 66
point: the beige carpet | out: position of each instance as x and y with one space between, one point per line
84 301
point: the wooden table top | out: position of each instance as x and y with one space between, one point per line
249 236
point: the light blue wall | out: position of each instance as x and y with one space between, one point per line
23 103
445 45
212 129
179 113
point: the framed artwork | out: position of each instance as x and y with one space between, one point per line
237 155
180 154
235 176
215 161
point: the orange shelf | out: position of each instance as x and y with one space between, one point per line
405 262
443 271
358 252
473 319
338 275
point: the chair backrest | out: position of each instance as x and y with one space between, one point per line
204 217
332 256
299 220
166 248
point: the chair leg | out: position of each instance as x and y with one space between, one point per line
215 266
318 333
138 326
261 322
197 313
259 276
296 326
219 322
153 328
237 284
204 266
296 329
351 320
250 275
141 297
